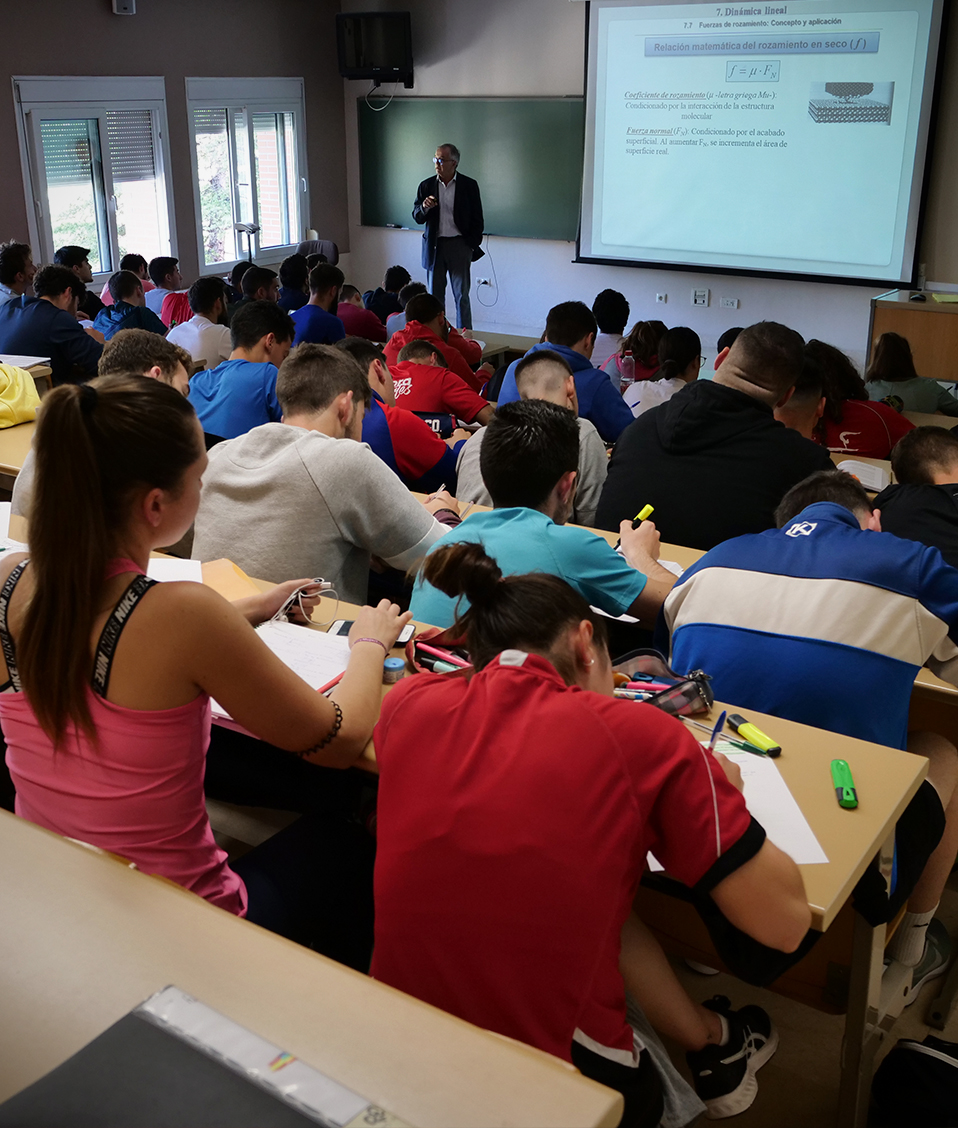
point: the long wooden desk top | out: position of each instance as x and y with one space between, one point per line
922 419
84 939
15 443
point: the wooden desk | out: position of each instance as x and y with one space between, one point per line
930 327
15 443
85 939
922 419
504 348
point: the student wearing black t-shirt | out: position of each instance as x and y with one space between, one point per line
923 504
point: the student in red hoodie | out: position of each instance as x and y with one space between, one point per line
422 382
426 320
406 443
358 321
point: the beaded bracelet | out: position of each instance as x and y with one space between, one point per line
333 732
377 641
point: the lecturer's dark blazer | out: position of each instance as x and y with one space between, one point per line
467 214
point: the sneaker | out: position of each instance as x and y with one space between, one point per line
724 1076
701 968
934 959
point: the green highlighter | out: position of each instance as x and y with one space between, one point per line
844 785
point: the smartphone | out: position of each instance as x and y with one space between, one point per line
342 627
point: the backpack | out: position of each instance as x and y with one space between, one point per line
917 1085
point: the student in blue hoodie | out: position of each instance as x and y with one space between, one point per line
570 331
129 309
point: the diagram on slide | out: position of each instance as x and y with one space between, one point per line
851 103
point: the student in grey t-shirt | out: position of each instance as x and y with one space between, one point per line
305 497
544 375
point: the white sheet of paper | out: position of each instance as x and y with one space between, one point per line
173 569
4 518
772 804
22 361
316 656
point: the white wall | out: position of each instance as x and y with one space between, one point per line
520 48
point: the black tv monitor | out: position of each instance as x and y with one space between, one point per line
375 45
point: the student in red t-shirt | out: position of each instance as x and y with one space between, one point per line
515 813
426 320
851 422
358 321
422 382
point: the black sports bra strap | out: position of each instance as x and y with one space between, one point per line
112 629
6 641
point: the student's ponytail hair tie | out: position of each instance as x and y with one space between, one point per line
88 398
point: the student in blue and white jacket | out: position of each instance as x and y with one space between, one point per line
570 331
826 620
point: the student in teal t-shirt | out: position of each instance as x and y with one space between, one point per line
891 378
529 463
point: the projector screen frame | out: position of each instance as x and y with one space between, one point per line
943 9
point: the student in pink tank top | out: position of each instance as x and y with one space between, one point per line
108 676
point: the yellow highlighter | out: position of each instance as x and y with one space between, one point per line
748 731
643 515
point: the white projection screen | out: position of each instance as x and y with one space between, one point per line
771 138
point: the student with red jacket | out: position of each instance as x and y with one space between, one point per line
422 382
516 809
851 422
358 321
406 443
426 320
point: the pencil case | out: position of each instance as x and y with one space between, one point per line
444 646
688 694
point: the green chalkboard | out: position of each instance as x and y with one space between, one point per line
526 154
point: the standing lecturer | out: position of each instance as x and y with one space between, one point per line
449 205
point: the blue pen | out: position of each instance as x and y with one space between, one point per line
718 728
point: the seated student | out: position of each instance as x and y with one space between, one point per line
240 393
680 358
357 320
406 443
136 263
236 282
922 504
315 322
787 620
397 321
643 343
206 336
293 282
851 422
611 310
426 321
307 495
47 326
511 844
422 382
891 378
728 338
77 259
384 300
544 375
713 460
114 755
128 309
529 463
570 331
129 352
165 275
16 271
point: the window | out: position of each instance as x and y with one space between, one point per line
96 166
249 166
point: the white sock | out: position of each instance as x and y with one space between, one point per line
723 1041
908 943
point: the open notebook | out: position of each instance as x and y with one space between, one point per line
317 657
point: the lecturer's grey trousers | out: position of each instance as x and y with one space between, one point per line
453 256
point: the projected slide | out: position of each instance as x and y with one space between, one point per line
782 137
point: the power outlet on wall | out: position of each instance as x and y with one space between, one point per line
700 297
663 298
729 303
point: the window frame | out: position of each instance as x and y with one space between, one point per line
250 96
43 97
